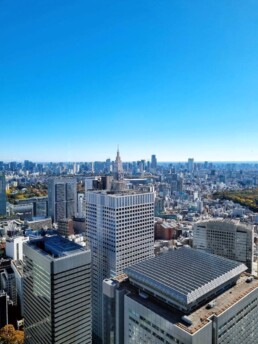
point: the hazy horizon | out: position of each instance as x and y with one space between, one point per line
129 161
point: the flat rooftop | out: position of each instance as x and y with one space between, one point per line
115 193
185 277
56 246
225 223
167 225
120 278
201 316
16 238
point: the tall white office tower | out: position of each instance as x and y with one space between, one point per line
62 198
57 292
120 233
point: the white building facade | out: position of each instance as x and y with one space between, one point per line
14 247
120 231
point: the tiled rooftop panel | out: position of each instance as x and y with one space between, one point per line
184 276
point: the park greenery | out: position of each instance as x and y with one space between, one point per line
21 192
247 197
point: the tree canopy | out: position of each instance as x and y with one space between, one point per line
8 335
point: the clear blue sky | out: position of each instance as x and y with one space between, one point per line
174 78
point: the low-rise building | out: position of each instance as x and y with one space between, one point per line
226 238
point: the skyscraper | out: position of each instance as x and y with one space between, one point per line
62 198
108 166
190 164
118 166
120 230
57 292
153 163
2 194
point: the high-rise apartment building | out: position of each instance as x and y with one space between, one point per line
184 296
57 292
226 238
120 231
2 194
62 198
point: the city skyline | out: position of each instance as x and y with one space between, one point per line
175 78
146 159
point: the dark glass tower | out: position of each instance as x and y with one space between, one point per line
2 194
57 292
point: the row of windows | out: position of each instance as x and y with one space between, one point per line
237 317
149 326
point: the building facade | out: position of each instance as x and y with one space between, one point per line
14 247
234 324
17 267
65 227
154 163
120 232
4 308
118 167
39 205
62 198
2 195
190 165
8 284
226 238
172 299
57 292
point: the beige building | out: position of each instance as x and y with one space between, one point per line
227 238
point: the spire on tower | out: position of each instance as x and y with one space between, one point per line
118 165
